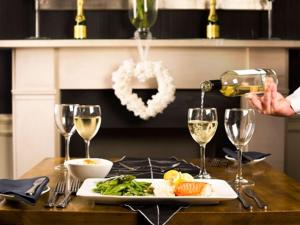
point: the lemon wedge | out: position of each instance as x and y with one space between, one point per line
183 177
174 177
171 175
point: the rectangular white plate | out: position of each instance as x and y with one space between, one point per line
221 191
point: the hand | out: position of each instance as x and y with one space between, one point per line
271 103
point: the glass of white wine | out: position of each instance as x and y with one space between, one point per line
87 121
239 126
202 123
64 121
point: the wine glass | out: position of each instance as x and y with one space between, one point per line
87 121
239 126
202 123
142 15
64 121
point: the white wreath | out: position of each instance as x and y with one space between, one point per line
143 71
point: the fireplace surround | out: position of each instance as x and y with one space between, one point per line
42 68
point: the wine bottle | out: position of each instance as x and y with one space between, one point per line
238 82
213 28
80 29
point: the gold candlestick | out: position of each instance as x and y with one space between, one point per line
80 29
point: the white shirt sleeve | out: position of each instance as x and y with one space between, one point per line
294 99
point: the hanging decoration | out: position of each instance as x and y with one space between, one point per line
142 14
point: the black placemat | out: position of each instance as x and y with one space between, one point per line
155 214
151 168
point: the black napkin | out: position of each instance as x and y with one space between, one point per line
17 188
155 214
246 156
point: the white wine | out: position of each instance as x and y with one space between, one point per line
202 131
87 126
237 90
238 82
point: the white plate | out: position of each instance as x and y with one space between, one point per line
13 197
221 191
250 162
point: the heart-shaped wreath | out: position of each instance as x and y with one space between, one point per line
143 71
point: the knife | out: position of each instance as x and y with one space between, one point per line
34 186
244 202
250 193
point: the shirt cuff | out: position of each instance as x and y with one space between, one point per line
295 102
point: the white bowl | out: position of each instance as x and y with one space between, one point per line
89 168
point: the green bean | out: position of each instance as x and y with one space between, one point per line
124 185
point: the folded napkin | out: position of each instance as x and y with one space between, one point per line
246 156
17 188
155 214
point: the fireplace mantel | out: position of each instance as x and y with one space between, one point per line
178 43
41 68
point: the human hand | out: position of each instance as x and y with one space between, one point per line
271 103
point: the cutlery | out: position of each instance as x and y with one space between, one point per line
244 202
58 190
75 184
34 186
260 203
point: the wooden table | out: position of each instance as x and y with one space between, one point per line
280 192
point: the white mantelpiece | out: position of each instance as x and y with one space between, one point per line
42 67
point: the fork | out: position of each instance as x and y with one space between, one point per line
58 190
75 184
251 194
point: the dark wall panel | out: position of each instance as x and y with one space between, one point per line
170 24
17 21
294 69
5 81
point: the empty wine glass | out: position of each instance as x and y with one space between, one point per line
239 126
202 123
64 121
142 15
87 121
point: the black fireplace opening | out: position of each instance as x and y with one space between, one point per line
167 134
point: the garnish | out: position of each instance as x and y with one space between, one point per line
124 185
